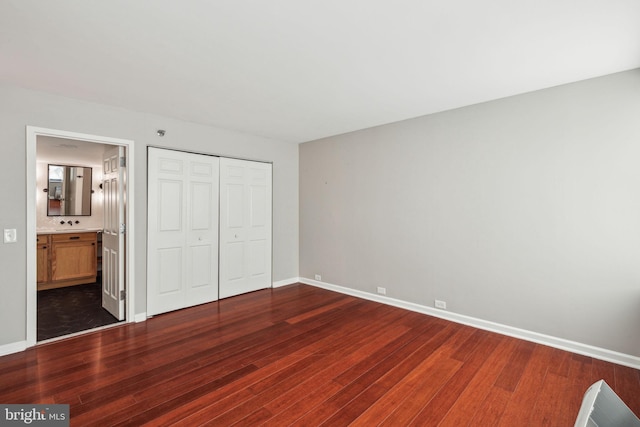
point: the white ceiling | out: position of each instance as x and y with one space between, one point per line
69 152
299 70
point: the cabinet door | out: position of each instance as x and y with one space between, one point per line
43 259
73 256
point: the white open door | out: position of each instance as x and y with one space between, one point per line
182 254
245 226
113 297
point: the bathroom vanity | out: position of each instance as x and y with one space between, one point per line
67 259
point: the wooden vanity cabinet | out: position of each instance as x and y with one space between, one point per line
43 259
71 259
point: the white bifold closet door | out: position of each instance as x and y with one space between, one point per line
245 226
182 253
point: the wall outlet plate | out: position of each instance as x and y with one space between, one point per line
10 235
318 277
441 304
382 291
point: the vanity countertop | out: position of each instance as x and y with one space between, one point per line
68 230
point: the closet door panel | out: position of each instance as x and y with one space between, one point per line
170 272
245 226
182 256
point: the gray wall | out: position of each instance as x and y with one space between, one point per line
20 107
523 211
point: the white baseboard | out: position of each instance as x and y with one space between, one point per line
285 282
22 345
548 340
140 317
13 347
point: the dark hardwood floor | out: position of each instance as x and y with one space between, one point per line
303 356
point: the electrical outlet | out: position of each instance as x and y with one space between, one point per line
382 291
10 235
441 304
318 277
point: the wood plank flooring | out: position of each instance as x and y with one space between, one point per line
303 356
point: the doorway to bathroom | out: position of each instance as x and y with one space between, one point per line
79 221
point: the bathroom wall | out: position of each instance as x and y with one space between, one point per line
52 223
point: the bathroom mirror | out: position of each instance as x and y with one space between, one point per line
69 191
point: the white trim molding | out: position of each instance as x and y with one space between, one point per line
140 317
538 338
13 347
32 133
285 282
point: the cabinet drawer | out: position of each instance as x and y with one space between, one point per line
66 237
42 239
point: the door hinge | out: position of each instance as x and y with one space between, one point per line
123 162
123 228
123 294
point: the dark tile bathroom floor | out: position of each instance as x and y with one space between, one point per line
72 309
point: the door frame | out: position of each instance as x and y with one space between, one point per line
32 133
